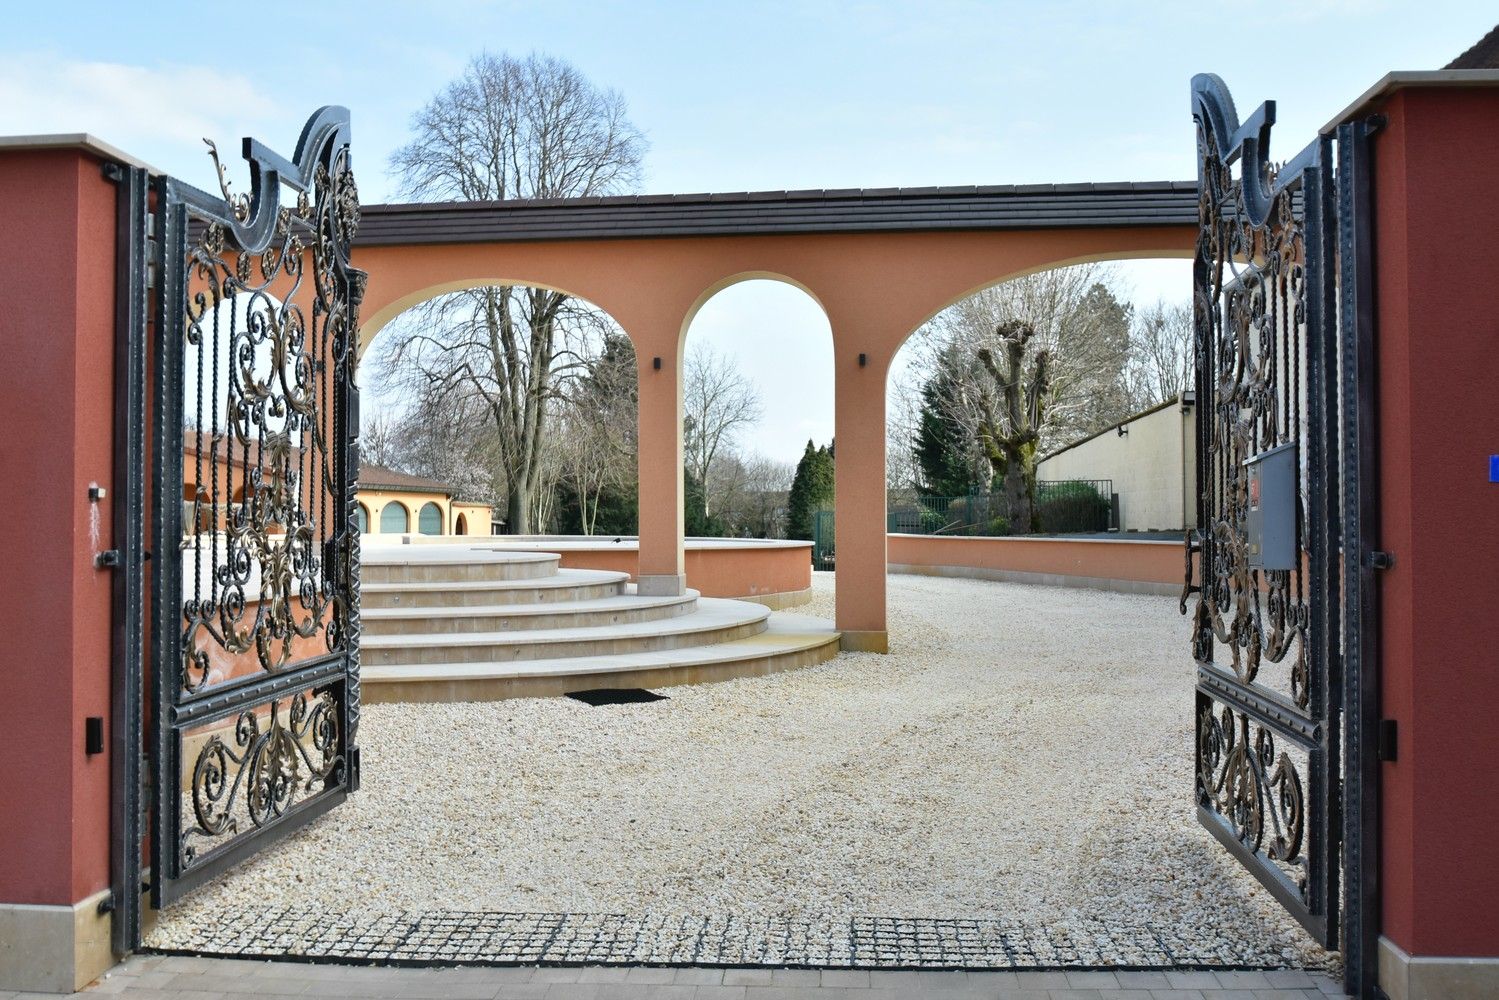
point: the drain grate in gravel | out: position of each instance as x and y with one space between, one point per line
455 937
615 696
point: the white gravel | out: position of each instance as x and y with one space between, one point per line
1024 753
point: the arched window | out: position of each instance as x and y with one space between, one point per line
394 520
362 518
461 528
429 521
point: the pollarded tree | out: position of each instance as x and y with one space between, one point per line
510 128
1012 411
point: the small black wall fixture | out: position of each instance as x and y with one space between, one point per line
93 734
863 360
1124 430
656 363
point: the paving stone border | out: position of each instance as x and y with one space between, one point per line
448 937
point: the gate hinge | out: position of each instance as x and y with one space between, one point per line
1387 745
1381 560
107 559
107 904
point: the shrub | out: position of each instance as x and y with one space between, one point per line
1071 506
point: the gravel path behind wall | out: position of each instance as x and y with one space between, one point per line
1022 757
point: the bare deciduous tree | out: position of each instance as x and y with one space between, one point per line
377 441
598 425
717 403
1161 362
509 128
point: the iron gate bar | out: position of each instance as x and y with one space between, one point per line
129 507
1360 456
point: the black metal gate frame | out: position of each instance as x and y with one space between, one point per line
1331 716
151 709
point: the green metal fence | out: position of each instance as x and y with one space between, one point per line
1062 506
823 556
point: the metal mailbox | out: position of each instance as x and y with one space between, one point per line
1271 520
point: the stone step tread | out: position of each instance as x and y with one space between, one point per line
785 634
624 602
447 555
712 614
562 578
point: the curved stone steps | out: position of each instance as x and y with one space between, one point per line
787 642
452 564
714 621
565 586
618 609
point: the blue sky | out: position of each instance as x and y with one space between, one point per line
739 96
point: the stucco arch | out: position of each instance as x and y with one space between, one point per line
739 278
876 287
382 317
1093 258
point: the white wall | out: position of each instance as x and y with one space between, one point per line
1153 466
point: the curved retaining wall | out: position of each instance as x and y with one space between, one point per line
775 573
1122 564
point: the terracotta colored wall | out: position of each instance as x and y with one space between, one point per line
1142 561
1437 261
876 288
56 401
736 571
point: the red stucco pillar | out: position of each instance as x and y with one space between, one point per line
57 233
859 500
662 569
1436 238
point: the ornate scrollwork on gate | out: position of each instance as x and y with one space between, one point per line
1250 314
257 670
1262 293
271 758
270 342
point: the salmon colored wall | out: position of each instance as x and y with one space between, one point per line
733 571
1099 559
1437 262
876 289
56 408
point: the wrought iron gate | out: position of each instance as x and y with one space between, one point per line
251 700
1282 623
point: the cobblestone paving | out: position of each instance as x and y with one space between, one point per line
154 977
857 942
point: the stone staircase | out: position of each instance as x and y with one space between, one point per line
454 622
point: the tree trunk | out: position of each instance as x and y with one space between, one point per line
1020 491
518 507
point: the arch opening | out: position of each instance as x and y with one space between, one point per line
995 406
438 398
757 389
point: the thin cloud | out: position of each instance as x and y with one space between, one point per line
138 108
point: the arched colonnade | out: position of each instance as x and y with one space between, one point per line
880 264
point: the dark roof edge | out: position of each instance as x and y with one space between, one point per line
811 194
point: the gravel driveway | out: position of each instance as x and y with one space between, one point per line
1019 765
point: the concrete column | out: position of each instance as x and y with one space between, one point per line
859 504
57 234
1437 268
662 569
